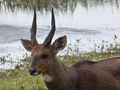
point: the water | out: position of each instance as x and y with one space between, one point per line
89 20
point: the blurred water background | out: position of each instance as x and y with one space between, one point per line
90 21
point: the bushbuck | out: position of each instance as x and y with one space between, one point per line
83 75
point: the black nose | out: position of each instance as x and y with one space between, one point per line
31 71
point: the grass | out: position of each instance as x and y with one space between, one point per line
19 78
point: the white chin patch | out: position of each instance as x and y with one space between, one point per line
47 78
36 73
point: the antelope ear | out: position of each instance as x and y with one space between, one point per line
60 43
27 44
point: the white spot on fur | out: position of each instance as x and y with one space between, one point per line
35 73
47 78
48 62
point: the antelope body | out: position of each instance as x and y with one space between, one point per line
83 75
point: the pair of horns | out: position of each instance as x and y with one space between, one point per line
48 39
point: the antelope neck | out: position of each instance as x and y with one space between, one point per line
59 76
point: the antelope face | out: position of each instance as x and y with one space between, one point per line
43 54
41 58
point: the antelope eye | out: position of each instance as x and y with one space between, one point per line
44 56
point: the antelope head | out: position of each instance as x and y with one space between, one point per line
43 54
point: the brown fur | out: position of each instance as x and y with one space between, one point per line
85 75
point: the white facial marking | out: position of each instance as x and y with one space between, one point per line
35 73
48 62
47 78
